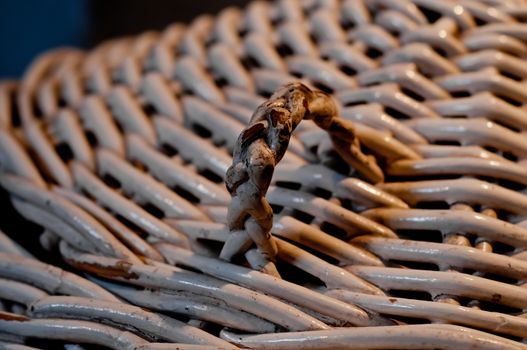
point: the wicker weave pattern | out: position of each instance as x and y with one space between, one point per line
120 154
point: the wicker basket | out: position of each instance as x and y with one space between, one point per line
120 155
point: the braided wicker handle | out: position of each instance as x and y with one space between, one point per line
259 148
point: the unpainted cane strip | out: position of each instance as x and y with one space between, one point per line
192 305
123 233
128 317
109 198
7 245
50 278
169 277
273 286
224 129
239 112
263 143
471 191
434 311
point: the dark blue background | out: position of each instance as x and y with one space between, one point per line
28 27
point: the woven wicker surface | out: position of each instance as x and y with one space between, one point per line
120 154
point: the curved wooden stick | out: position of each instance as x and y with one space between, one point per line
260 147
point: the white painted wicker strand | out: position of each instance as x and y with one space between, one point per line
120 154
